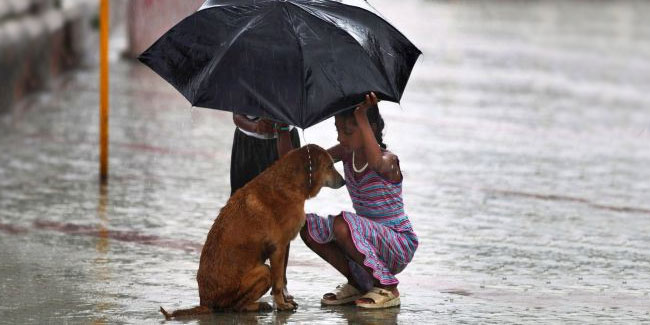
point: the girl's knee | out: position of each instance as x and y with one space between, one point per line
340 228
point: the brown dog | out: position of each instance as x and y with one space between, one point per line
257 223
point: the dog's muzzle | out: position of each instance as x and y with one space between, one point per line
337 181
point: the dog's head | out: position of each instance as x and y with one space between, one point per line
319 169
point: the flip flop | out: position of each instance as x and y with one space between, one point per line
381 298
344 293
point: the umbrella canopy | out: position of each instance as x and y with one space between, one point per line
293 61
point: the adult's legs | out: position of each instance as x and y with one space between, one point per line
250 156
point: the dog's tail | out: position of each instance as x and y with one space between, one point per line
198 310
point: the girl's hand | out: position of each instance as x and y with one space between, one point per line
362 109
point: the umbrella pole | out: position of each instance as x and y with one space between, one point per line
103 89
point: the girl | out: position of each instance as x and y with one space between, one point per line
372 245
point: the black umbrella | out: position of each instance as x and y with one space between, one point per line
293 61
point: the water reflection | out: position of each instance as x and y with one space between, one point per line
355 315
525 176
101 265
277 317
102 242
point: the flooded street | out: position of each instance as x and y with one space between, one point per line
523 136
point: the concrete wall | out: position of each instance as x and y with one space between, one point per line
38 40
147 20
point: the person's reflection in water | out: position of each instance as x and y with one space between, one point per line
355 315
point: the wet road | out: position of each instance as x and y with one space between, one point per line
524 137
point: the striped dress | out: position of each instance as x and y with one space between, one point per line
380 228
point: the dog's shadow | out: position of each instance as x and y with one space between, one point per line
262 317
275 317
351 314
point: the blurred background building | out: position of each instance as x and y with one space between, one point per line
149 19
39 39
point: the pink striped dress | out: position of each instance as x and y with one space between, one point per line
380 228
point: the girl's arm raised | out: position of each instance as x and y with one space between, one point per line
385 164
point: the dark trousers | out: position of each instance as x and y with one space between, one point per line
251 156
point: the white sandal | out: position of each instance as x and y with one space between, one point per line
344 293
381 298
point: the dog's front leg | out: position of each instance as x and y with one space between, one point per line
285 291
278 259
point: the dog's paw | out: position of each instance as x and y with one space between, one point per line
285 292
287 295
265 307
289 299
287 305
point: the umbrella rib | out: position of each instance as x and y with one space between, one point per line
380 68
302 65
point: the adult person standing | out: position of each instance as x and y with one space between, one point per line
257 144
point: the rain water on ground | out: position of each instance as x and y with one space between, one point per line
523 135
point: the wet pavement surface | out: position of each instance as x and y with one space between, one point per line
524 137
